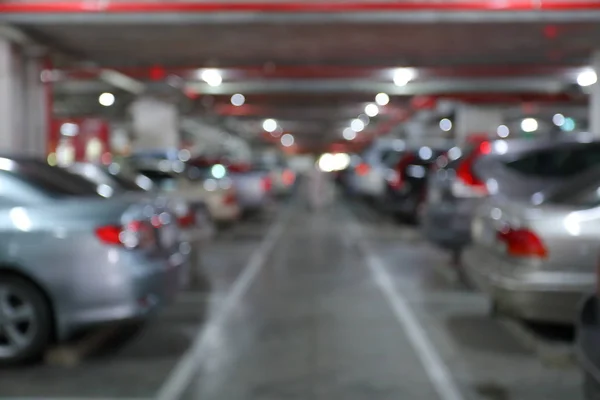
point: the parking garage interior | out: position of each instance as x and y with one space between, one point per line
313 284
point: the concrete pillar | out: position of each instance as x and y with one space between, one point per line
155 124
594 90
472 120
23 111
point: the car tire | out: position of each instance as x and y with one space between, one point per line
22 292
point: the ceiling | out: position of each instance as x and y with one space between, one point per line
315 74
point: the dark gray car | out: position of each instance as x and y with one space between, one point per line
508 168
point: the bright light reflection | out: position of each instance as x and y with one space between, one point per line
425 153
587 77
238 99
371 110
269 125
349 134
104 190
106 99
210 185
403 75
503 131
20 219
500 146
445 124
218 171
357 125
287 140
529 125
558 119
382 99
211 76
454 153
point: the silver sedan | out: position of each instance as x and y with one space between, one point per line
72 259
537 259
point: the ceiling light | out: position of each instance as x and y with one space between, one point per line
445 124
357 125
270 125
558 119
529 125
106 99
211 76
587 77
349 134
371 110
403 75
503 131
238 99
382 99
287 140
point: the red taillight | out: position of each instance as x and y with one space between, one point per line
135 234
398 180
187 220
288 177
522 243
465 173
267 184
362 169
229 198
110 234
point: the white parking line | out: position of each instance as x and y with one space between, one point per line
183 373
433 364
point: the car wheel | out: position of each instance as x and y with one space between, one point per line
25 321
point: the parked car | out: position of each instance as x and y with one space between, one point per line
509 168
73 257
252 185
406 182
281 175
537 258
194 185
367 178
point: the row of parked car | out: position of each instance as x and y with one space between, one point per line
87 245
522 216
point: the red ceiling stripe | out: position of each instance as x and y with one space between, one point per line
282 6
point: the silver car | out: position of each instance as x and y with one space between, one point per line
193 217
508 168
538 259
72 259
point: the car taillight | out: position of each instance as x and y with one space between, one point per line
135 234
266 184
229 198
362 169
399 177
187 220
522 243
288 177
469 184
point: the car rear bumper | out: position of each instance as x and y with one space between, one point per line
226 213
138 293
551 296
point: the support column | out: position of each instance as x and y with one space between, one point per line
155 125
594 90
23 114
471 120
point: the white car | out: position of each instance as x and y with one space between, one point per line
368 178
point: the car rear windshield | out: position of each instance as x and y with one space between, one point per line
52 181
558 162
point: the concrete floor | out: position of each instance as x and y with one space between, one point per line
300 305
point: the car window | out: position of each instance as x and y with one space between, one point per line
163 180
557 162
51 181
